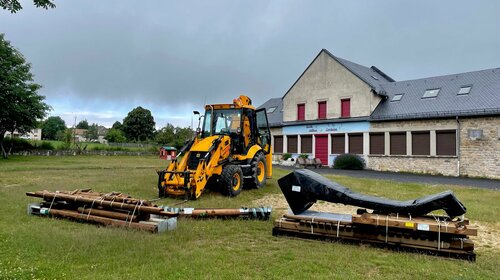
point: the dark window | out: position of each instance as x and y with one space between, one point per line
446 143
377 144
306 144
291 144
278 144
338 143
421 143
345 108
398 143
322 110
301 108
356 143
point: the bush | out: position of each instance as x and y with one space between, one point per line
349 161
304 156
46 146
18 144
286 156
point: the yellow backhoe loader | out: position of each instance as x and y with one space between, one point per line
230 151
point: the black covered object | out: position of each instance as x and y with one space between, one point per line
302 188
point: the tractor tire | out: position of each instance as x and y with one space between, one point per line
161 189
258 174
232 180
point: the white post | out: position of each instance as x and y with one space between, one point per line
285 144
433 142
409 148
387 143
299 144
366 143
346 144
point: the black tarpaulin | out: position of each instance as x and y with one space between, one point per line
302 188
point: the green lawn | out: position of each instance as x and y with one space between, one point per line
39 248
93 146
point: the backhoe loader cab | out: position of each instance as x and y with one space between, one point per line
232 150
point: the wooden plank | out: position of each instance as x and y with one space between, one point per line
392 236
467 255
415 223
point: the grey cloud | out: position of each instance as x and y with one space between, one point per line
166 55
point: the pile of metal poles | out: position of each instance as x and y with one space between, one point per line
437 235
121 210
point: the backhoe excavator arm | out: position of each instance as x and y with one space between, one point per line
211 164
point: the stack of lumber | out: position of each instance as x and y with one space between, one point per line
121 210
436 235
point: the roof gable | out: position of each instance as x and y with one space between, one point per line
372 76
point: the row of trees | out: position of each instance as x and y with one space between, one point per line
54 128
138 126
142 130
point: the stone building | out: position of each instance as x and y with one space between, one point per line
446 125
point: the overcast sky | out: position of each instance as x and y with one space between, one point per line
97 60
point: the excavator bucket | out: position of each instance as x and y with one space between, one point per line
302 188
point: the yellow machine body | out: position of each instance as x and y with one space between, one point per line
231 151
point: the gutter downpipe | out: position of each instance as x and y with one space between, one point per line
458 146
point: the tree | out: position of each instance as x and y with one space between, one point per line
83 125
166 135
181 135
118 125
139 125
21 106
13 5
91 133
115 136
52 126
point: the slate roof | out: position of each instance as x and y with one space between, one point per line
483 99
275 118
372 76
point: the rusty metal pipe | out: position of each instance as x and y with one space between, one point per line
101 220
108 214
94 202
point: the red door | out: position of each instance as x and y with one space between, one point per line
321 149
345 108
322 110
301 112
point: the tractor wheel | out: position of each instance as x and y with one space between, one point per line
161 189
232 180
258 174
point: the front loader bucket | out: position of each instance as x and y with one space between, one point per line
302 188
174 183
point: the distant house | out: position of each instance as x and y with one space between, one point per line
102 131
35 134
80 135
167 152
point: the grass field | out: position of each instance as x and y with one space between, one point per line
39 248
93 146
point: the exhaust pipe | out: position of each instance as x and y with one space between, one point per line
303 187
